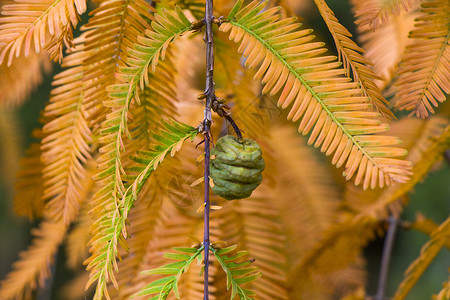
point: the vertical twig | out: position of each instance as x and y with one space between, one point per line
206 240
210 96
386 257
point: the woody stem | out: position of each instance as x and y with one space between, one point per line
207 120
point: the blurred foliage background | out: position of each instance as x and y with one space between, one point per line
431 197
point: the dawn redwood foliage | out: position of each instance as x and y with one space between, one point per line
119 175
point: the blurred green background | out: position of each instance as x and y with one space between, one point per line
432 197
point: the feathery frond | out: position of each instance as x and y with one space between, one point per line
353 61
309 203
299 207
430 139
113 27
113 128
363 224
43 24
21 78
134 72
428 148
109 229
66 140
425 68
339 248
238 272
173 228
315 199
254 224
144 56
427 254
169 139
162 287
154 227
34 265
375 13
111 162
410 131
384 47
328 102
249 109
304 231
143 216
157 100
142 221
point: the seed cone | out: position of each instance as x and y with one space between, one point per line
237 167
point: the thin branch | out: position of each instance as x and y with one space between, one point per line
210 103
387 253
206 239
218 107
207 120
233 124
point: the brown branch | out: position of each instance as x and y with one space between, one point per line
233 124
386 257
219 108
211 103
207 120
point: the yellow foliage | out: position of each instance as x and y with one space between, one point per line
353 61
17 85
66 142
375 13
384 46
438 238
103 183
34 267
424 71
40 24
331 107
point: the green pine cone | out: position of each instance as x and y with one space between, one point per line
237 167
236 173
